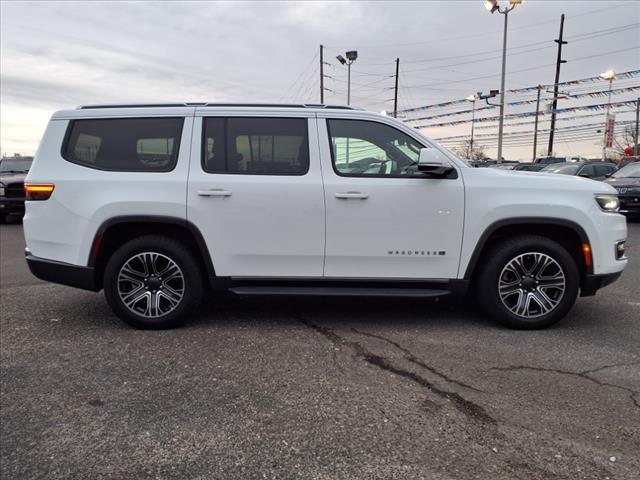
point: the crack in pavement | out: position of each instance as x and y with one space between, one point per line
582 374
468 408
410 357
613 365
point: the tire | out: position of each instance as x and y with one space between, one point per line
136 291
528 282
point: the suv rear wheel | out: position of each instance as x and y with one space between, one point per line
528 282
151 282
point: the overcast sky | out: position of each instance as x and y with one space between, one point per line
60 55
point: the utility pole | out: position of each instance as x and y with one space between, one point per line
395 95
535 128
321 75
559 62
473 99
635 145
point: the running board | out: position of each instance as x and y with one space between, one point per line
340 291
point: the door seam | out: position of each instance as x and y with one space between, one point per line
324 197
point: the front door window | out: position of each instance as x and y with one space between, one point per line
370 149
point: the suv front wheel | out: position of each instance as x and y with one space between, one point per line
151 282
528 282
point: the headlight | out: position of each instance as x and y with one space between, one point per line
608 203
1 189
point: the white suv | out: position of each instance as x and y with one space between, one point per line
153 202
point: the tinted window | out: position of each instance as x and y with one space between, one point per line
564 169
258 146
603 170
630 171
125 144
587 171
364 148
15 164
550 160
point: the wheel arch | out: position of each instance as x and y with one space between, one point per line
115 231
566 232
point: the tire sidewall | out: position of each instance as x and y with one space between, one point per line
177 253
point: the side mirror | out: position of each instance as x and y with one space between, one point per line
433 163
584 175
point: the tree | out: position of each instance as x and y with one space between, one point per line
626 138
464 151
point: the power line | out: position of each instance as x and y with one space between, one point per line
298 77
586 36
531 25
467 80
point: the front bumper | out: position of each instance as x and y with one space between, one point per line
11 206
63 273
592 283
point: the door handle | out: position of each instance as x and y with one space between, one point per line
214 192
349 195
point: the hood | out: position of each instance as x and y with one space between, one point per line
8 178
623 182
539 180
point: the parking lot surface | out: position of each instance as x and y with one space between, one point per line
315 389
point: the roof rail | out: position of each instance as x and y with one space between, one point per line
217 104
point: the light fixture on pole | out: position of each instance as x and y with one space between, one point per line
351 55
492 6
609 75
472 99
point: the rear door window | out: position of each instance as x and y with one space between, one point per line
256 146
125 144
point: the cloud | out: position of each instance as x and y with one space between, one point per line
60 54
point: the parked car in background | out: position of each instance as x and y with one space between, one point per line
593 170
13 171
504 165
546 160
627 182
529 167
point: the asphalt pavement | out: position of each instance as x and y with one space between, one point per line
315 389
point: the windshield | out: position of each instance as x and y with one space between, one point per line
630 171
15 165
563 169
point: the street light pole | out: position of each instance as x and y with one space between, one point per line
351 55
492 6
349 83
502 81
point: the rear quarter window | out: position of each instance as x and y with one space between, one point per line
124 144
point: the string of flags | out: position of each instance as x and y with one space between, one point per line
588 126
594 107
622 75
600 93
559 119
